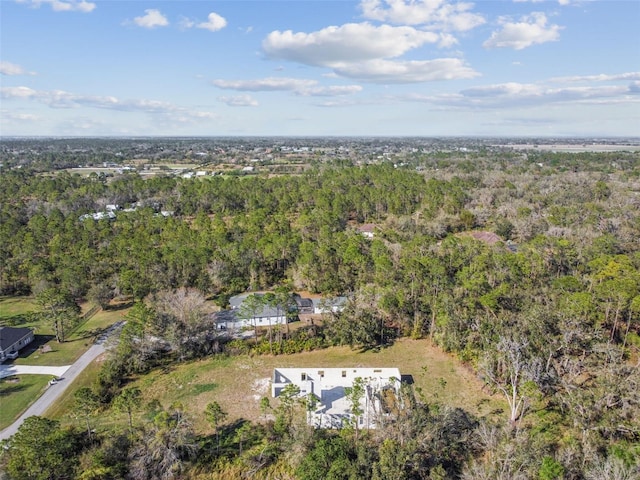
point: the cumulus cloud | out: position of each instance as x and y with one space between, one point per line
437 14
328 47
239 101
298 86
62 99
151 19
63 5
9 69
214 23
371 54
530 30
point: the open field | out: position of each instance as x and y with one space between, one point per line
238 383
17 393
12 307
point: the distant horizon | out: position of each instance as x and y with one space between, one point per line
315 68
463 137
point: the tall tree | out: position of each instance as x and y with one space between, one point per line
251 306
41 450
60 309
215 416
127 402
85 405
507 368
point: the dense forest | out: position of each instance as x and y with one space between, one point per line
524 265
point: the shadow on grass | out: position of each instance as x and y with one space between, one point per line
81 336
118 307
17 320
407 378
377 347
9 389
38 342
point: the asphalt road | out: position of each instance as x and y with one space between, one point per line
53 392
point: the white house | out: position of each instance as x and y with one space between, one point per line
367 230
12 340
269 315
329 305
333 409
264 316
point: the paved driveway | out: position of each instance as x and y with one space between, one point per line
8 370
52 393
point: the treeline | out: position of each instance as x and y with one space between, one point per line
548 314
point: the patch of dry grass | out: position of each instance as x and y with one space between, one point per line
238 383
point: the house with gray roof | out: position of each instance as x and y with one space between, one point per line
12 340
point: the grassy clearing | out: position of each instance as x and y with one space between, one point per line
238 383
72 348
13 308
17 393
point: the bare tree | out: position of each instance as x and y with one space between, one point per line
184 320
507 369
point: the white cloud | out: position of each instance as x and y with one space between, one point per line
265 84
369 52
437 14
531 30
352 42
599 78
330 91
151 19
214 23
17 92
7 115
561 2
386 71
298 86
63 5
239 101
185 23
62 99
8 68
513 95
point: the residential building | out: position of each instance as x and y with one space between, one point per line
12 340
328 386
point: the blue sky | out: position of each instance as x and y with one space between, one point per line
303 67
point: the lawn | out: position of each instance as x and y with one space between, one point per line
15 398
15 310
61 408
17 393
238 383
